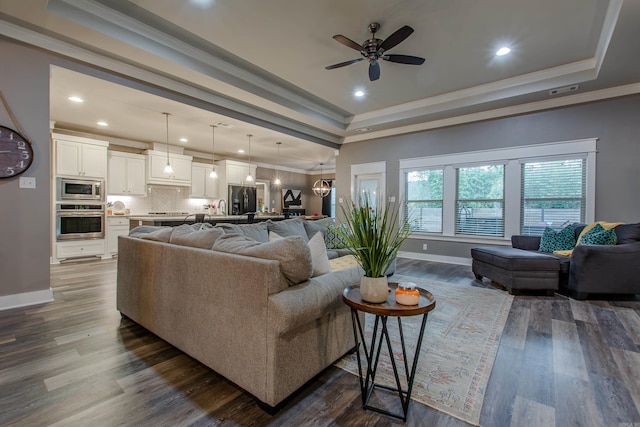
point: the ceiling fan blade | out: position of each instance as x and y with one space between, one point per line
395 38
342 64
374 70
404 59
347 42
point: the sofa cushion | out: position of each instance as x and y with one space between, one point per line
156 233
185 235
292 252
289 227
257 232
333 239
628 233
599 236
318 225
562 240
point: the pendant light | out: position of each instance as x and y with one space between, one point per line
213 174
249 177
321 187
277 181
168 169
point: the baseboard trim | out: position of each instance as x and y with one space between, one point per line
435 258
25 299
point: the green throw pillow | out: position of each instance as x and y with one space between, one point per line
599 236
333 239
562 240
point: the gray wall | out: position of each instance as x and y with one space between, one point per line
616 124
296 181
25 213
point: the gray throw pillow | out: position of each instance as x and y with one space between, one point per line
257 232
627 233
185 235
312 227
289 227
292 252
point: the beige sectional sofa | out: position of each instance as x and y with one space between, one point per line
248 309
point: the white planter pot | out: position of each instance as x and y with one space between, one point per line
374 289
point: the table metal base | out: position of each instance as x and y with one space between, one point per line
367 381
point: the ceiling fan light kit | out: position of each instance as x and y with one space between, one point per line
375 49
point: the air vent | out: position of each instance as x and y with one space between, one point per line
363 130
565 89
224 125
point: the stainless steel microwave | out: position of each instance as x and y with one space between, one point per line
70 189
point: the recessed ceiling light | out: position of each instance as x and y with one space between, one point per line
102 123
503 51
241 151
76 99
358 93
183 139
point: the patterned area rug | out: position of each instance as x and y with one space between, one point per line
459 348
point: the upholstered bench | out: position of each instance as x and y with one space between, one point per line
516 269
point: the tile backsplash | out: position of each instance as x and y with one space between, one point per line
162 198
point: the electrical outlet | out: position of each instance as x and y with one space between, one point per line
340 200
392 199
27 182
424 246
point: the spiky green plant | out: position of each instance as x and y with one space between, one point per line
372 235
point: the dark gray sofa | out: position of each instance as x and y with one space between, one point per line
601 269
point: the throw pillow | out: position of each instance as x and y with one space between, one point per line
562 240
333 239
289 227
628 233
599 236
274 236
185 235
319 258
292 253
317 225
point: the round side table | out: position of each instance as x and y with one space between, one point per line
351 296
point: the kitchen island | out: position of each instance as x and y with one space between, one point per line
172 220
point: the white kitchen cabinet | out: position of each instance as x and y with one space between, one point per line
203 186
126 174
231 172
116 226
181 164
80 249
80 157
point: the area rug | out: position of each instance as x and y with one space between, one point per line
459 347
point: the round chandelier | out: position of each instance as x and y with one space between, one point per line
321 187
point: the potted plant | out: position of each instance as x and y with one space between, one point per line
373 235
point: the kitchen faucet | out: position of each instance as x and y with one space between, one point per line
220 203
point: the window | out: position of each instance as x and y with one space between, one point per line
490 195
480 200
553 194
423 198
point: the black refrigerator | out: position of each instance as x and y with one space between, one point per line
241 200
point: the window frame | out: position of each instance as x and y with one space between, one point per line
406 200
512 158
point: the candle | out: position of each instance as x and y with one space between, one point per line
407 294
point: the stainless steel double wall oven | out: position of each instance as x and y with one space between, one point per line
80 209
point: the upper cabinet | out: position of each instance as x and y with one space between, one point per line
202 186
232 172
126 174
156 162
80 157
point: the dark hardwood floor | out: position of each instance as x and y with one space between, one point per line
75 362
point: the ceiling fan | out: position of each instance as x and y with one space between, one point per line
375 49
